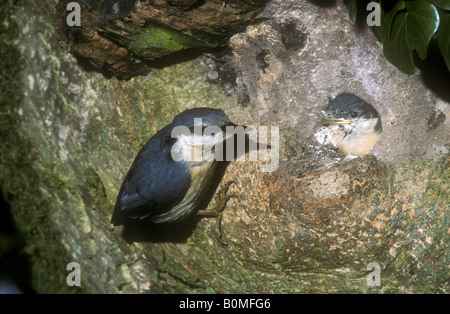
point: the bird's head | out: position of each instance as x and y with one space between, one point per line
199 130
209 117
355 125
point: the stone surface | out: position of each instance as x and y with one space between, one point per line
122 37
69 136
287 67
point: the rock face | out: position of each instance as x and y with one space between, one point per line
288 66
121 37
313 225
352 213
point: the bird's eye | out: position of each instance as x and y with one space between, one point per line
354 114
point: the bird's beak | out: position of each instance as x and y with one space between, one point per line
334 121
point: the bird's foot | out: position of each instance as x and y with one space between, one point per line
221 199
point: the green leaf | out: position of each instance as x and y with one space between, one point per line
408 26
443 4
397 51
443 36
422 21
384 30
351 7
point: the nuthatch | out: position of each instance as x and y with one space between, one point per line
355 125
159 189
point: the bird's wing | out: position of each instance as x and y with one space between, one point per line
154 184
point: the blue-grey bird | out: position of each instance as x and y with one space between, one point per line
166 182
354 124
